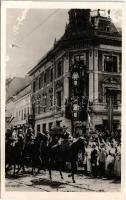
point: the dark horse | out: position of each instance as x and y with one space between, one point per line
60 156
13 154
35 152
40 152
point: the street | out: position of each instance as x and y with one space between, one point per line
41 182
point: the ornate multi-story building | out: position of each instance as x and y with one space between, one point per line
83 66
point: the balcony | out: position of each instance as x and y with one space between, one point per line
103 107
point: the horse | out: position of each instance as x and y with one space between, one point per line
60 156
19 152
41 146
34 153
13 155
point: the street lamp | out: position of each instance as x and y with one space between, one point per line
76 109
75 78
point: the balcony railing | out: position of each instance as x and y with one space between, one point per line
105 107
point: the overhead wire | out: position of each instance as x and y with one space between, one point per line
36 27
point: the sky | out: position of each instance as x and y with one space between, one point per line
33 32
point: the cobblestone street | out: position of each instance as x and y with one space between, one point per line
41 182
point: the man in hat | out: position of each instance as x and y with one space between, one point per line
67 139
94 156
102 157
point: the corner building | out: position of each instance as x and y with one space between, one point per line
92 41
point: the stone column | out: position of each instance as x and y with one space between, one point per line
66 78
66 91
91 87
96 75
93 81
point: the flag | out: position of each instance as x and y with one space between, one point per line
11 118
89 121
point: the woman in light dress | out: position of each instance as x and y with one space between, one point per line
88 151
109 163
117 164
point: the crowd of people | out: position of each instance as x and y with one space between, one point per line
102 151
102 156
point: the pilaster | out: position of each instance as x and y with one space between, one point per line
96 75
91 89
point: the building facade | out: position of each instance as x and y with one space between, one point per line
82 72
22 109
18 103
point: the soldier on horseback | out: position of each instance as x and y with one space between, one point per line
65 140
67 137
29 136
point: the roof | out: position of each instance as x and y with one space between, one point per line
14 85
81 26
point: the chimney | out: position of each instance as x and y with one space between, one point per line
79 19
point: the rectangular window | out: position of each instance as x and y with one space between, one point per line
105 124
58 123
51 74
110 63
39 107
39 82
119 98
50 125
25 113
22 116
59 99
34 86
45 77
38 128
28 111
51 100
33 109
44 127
80 60
59 68
42 79
115 97
45 99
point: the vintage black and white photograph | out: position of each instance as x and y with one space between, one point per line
63 100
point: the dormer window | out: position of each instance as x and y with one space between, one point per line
107 28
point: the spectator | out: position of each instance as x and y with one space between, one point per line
110 161
88 151
117 163
94 156
102 157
